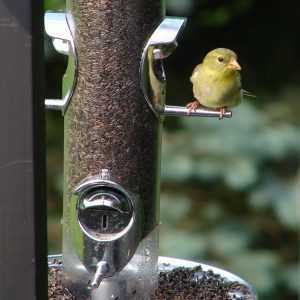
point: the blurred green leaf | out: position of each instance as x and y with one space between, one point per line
257 267
291 276
181 244
174 207
228 241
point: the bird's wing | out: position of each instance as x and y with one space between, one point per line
195 73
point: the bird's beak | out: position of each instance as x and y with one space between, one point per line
234 65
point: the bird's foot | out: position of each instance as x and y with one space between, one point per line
223 111
192 106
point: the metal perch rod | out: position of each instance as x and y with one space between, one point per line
170 110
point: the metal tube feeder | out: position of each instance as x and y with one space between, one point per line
112 149
113 105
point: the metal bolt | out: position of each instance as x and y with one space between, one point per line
105 174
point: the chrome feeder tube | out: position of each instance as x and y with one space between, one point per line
112 146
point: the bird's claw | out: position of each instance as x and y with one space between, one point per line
192 106
195 105
223 111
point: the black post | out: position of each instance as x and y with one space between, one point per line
23 247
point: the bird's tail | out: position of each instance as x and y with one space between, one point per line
248 94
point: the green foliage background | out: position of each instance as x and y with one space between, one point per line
230 189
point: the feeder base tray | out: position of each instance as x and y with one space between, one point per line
177 280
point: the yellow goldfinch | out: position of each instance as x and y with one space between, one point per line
217 82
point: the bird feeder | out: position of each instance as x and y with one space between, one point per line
113 104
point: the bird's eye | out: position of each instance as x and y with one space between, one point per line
220 59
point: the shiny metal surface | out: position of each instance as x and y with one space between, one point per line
111 221
105 210
58 27
100 273
159 46
201 112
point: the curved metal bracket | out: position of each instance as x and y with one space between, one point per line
152 75
159 46
58 27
